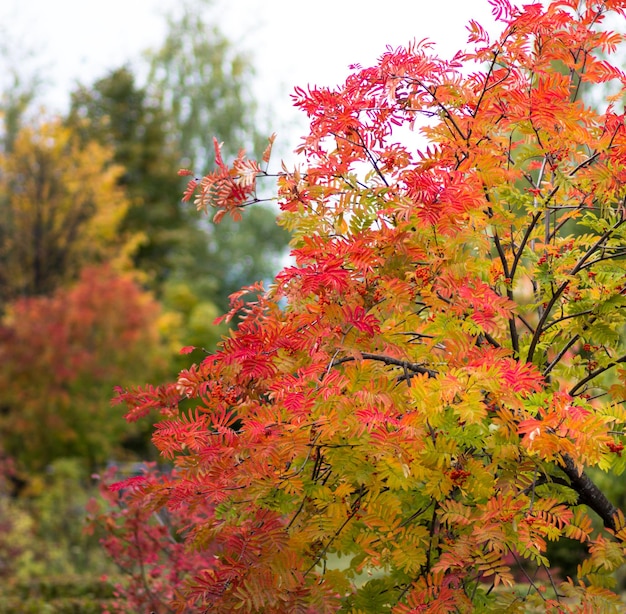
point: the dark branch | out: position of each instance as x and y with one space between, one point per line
414 367
595 374
589 494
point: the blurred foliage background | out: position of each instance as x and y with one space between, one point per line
105 275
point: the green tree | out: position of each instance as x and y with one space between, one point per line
204 84
118 113
197 87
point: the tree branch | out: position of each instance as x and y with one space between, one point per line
589 494
594 374
414 367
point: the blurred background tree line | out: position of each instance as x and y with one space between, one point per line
104 276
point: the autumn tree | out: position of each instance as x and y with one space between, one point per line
407 417
60 357
60 209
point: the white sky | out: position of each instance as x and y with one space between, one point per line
294 42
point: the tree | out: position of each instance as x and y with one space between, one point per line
119 114
60 356
409 414
148 139
61 210
203 83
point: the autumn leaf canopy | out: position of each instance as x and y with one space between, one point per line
408 416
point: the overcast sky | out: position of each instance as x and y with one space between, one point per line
293 42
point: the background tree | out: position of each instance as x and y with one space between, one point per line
407 417
198 84
117 113
203 83
60 357
61 210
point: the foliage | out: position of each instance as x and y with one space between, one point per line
59 359
407 417
149 137
146 547
202 81
57 595
47 561
61 210
119 114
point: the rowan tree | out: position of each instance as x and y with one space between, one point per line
409 414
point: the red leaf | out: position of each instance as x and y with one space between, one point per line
136 480
187 349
